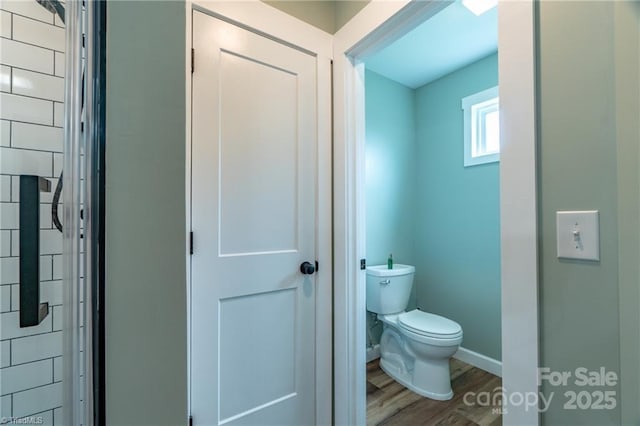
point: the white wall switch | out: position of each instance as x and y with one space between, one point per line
578 235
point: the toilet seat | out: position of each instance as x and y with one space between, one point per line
429 325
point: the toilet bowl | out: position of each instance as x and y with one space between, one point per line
415 346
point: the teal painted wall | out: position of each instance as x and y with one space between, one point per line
390 170
422 203
458 213
146 298
390 177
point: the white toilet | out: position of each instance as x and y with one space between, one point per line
415 346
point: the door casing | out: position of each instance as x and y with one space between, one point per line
271 23
375 27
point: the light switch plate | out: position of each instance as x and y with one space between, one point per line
578 235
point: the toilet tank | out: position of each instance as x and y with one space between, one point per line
388 290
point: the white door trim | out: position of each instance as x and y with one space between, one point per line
518 204
376 26
270 22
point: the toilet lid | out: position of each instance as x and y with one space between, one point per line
430 325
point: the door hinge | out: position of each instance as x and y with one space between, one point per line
193 59
190 420
190 242
363 264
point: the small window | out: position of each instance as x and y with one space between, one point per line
481 127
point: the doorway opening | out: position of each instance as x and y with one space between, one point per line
516 345
432 203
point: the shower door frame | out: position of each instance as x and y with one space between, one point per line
96 193
375 27
84 126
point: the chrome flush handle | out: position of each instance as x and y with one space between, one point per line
385 282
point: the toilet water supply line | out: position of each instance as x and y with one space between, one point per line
373 324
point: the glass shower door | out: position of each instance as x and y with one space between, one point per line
45 325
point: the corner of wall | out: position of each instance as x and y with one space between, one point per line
627 64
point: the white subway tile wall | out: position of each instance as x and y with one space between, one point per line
32 45
5 404
5 24
5 181
37 347
5 298
33 136
22 108
28 9
5 243
36 400
37 85
25 56
26 376
58 65
5 354
5 78
58 114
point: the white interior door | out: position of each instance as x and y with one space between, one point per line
254 134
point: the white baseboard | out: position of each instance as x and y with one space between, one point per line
480 361
373 352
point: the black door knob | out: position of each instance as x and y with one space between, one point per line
307 268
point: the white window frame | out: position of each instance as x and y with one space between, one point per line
475 107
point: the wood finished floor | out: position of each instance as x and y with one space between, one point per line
391 404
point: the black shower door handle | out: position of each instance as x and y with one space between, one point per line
32 312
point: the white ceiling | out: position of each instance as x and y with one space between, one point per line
453 38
